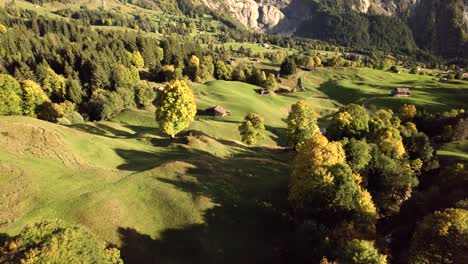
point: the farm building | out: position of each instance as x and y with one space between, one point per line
217 111
401 92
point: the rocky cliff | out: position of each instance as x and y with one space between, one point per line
284 16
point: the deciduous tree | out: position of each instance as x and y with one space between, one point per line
270 83
33 97
441 238
407 112
361 252
350 121
175 108
288 67
53 242
302 123
10 96
252 129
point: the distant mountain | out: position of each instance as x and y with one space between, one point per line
440 26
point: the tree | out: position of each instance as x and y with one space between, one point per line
350 121
144 94
308 62
384 130
288 67
238 74
270 83
441 238
124 77
407 112
302 123
75 93
257 77
193 69
358 154
299 84
323 186
104 105
311 180
10 96
52 84
361 252
175 108
3 29
390 181
137 60
33 97
336 61
252 129
419 146
222 72
168 73
318 61
53 242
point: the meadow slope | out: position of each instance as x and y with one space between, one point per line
151 196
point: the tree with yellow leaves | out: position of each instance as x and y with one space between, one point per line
302 123
33 97
441 238
193 69
10 95
175 108
350 121
54 242
361 252
407 112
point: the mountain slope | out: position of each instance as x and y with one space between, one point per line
438 26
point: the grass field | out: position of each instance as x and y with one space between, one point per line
455 151
373 87
203 197
195 198
204 194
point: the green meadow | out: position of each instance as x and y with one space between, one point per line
155 197
373 87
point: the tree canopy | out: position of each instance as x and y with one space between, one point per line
11 101
53 242
175 108
302 123
252 129
441 238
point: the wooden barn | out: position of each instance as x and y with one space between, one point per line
217 111
401 92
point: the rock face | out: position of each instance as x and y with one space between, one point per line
260 15
284 16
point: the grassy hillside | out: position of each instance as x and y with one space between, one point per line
455 151
372 88
144 192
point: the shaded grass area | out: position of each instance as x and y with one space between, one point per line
454 152
194 199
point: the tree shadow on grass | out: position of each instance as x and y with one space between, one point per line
3 238
248 223
279 135
89 129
